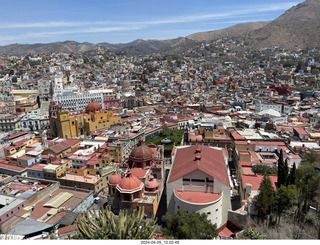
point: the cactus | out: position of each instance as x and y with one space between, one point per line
101 225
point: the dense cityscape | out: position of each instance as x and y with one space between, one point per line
218 136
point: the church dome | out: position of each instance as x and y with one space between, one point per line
141 153
130 183
115 179
152 183
93 106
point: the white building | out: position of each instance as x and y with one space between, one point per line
277 107
199 181
78 102
58 85
108 94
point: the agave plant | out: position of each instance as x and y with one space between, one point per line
102 225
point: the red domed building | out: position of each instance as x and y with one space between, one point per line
141 157
130 188
114 180
93 107
152 185
141 182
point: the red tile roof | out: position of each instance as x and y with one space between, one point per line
25 157
197 196
39 210
236 135
10 136
247 171
278 143
5 164
67 229
93 161
228 230
72 142
59 147
139 172
20 186
193 137
255 180
209 161
38 166
301 131
225 232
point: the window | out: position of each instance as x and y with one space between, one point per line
186 181
127 197
198 180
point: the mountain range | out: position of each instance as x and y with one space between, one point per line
297 27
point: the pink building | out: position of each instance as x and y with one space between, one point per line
111 103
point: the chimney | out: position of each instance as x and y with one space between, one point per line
198 149
197 157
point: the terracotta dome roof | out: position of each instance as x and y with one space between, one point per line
115 179
152 183
141 153
130 182
93 106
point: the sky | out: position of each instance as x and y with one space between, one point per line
122 21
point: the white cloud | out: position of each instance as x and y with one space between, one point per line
74 27
243 11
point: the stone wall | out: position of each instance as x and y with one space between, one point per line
240 219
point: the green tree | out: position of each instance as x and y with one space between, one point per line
308 178
102 225
265 198
282 170
285 197
253 234
188 225
286 172
310 156
292 175
164 131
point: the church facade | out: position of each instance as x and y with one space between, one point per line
66 124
